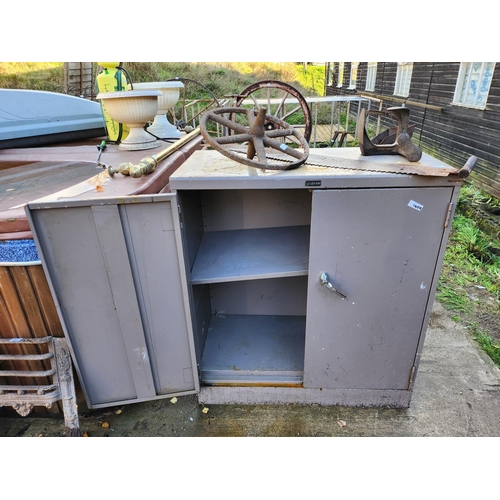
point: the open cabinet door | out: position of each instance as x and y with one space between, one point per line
116 272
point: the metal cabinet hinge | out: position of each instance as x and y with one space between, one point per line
412 376
448 214
180 216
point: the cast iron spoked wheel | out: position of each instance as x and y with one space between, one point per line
261 143
273 95
194 99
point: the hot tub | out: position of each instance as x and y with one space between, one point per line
27 308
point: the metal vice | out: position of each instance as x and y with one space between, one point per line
396 140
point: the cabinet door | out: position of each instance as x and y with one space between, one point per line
116 271
378 247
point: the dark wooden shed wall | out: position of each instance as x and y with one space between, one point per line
452 133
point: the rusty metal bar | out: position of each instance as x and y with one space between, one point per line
406 101
28 340
25 373
21 389
26 357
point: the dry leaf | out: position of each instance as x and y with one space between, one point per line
342 423
118 411
105 424
85 435
99 180
173 400
99 189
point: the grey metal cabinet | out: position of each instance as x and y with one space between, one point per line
266 251
226 287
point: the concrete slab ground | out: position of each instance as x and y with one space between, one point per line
456 394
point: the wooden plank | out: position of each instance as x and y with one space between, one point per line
28 301
34 319
45 301
7 331
14 323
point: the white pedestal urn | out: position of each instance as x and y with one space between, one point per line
134 108
161 126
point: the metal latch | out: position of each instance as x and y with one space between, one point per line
323 279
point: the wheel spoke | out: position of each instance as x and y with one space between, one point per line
280 132
280 146
234 139
290 113
258 144
281 105
226 122
257 106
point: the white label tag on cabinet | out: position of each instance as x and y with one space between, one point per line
415 205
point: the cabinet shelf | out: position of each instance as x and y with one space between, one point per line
252 254
265 349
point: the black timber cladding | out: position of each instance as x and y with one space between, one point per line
446 131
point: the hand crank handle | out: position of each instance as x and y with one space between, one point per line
467 168
323 279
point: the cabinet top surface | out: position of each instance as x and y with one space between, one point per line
208 169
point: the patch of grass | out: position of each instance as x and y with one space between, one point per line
469 284
470 195
455 300
487 344
47 76
475 243
229 78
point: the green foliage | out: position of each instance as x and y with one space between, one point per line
47 76
312 78
469 261
470 195
230 78
455 300
477 245
469 283
487 344
223 79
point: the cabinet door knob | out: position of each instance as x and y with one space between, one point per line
323 279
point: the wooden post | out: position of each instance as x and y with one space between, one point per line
78 79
